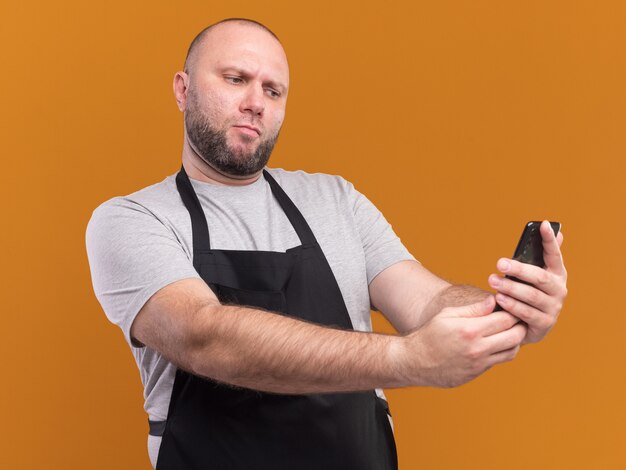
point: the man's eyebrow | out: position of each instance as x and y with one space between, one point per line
272 83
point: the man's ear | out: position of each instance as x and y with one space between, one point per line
181 84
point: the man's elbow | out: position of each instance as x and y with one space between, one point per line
182 336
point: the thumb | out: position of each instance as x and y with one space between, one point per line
477 309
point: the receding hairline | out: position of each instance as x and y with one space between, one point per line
195 44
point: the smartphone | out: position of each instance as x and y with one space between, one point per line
530 248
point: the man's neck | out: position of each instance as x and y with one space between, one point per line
198 169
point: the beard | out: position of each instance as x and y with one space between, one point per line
211 145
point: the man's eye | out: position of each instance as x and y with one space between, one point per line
272 93
234 80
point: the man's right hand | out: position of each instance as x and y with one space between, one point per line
460 343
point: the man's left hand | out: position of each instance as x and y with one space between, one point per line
539 303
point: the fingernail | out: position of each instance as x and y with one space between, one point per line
503 265
494 281
500 299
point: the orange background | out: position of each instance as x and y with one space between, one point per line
459 120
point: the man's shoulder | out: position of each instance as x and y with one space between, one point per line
156 201
153 197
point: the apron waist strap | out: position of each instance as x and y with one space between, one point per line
157 428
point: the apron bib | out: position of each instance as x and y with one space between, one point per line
216 426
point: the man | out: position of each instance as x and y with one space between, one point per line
238 288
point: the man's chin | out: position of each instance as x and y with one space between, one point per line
244 149
234 171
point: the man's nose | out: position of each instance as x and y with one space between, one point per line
253 101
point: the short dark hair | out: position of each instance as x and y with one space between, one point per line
200 36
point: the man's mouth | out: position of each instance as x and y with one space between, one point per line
249 128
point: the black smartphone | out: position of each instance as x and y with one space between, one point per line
530 247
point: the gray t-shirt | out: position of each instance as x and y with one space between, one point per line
142 242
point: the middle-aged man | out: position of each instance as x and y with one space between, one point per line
244 291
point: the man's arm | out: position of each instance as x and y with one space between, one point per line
409 295
266 351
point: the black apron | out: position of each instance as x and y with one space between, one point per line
217 426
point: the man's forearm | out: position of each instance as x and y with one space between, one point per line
455 295
270 352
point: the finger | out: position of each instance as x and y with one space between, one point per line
559 238
503 356
477 309
495 323
524 271
541 285
551 251
506 339
534 318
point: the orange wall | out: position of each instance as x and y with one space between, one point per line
459 120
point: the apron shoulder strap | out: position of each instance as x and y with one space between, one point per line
291 211
199 226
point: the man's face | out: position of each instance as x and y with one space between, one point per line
238 83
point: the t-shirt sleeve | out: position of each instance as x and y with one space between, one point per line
132 255
381 245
